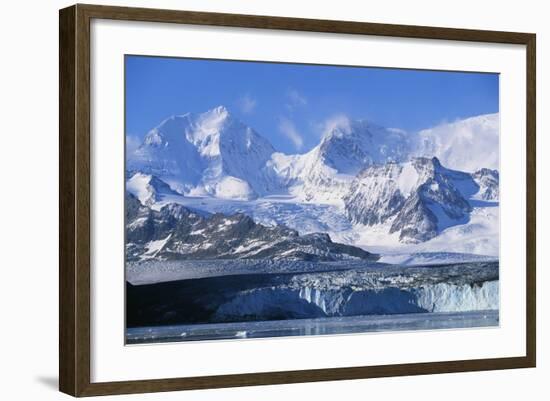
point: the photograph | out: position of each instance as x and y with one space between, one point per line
274 199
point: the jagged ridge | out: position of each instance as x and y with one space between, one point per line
419 198
176 232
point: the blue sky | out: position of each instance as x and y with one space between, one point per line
289 104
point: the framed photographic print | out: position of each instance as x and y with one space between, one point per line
250 200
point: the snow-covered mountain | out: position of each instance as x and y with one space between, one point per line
148 188
215 154
176 232
419 198
206 154
324 173
488 181
348 146
362 184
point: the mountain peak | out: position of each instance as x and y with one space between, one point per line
350 145
337 127
343 126
219 111
209 121
432 162
210 152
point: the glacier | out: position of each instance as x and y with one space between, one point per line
358 292
282 293
306 302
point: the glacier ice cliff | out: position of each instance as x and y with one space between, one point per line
370 290
277 302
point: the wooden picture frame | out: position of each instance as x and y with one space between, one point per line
74 199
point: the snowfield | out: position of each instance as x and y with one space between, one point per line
478 236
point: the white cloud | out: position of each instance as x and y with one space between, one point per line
247 104
288 128
295 99
463 144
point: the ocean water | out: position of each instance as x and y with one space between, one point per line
308 327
